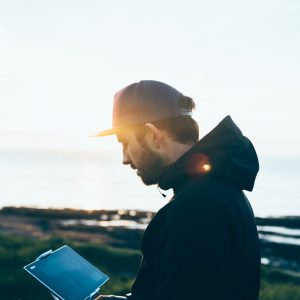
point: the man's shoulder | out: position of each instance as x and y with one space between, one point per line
207 197
210 189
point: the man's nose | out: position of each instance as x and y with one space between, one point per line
126 158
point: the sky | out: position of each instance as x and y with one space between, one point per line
61 62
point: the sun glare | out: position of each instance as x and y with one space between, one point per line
206 167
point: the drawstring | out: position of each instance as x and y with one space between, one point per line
164 195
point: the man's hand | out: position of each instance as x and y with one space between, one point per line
110 297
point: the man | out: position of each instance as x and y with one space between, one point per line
203 244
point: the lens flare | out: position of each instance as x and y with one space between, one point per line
206 167
199 163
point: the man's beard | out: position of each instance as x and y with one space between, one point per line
151 168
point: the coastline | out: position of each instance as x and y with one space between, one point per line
110 239
280 237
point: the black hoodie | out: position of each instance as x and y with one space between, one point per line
204 244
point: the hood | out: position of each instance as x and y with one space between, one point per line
224 153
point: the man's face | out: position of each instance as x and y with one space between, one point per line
148 162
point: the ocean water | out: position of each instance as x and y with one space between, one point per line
88 180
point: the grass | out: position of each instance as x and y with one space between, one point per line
279 285
120 264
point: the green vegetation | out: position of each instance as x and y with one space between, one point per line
27 232
278 285
120 264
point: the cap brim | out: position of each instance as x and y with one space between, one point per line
105 132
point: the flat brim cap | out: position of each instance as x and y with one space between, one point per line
143 102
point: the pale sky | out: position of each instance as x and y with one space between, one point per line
62 61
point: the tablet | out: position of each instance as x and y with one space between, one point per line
66 274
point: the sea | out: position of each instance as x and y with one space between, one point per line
98 180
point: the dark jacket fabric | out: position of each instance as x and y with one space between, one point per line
204 244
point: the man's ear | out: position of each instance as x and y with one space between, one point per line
154 134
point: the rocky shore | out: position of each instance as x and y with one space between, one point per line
280 237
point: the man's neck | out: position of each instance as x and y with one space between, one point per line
176 150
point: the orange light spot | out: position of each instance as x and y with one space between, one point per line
206 167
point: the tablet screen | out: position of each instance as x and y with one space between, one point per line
67 274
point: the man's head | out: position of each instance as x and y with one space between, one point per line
153 122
